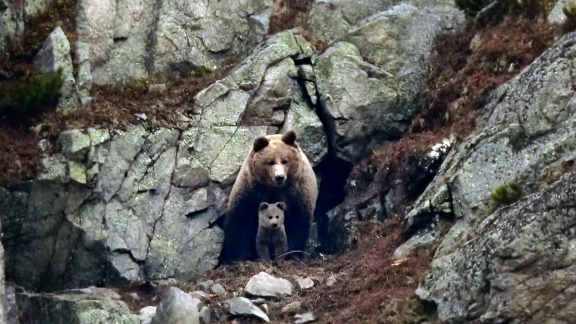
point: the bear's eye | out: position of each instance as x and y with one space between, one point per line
284 161
277 216
270 162
270 217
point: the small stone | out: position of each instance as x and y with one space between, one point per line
218 289
331 281
265 285
241 306
74 144
154 88
205 315
305 283
304 318
205 285
200 295
176 307
141 116
258 301
291 308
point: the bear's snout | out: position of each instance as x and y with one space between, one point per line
274 225
280 179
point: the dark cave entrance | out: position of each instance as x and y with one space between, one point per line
332 174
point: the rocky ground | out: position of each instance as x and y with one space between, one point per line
365 284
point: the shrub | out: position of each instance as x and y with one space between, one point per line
30 95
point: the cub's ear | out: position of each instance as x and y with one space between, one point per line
263 206
289 138
260 143
281 205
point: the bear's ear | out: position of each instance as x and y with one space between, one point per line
260 143
263 206
281 205
289 138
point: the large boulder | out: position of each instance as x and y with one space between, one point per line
105 211
499 263
118 206
371 79
177 307
518 264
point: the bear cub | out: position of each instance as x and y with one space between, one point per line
271 231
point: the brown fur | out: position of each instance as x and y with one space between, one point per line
271 231
270 155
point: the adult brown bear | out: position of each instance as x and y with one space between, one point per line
275 170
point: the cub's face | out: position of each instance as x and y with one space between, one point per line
271 215
275 159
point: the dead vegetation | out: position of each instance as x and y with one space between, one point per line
467 66
289 14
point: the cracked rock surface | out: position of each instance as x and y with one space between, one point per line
119 206
369 81
89 305
510 262
129 40
518 265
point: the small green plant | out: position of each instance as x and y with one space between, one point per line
506 193
30 95
570 11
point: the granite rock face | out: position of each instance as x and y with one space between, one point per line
370 80
509 262
131 40
117 206
83 306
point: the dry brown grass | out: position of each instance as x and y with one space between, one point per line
460 77
293 14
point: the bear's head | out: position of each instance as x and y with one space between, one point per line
271 215
275 159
